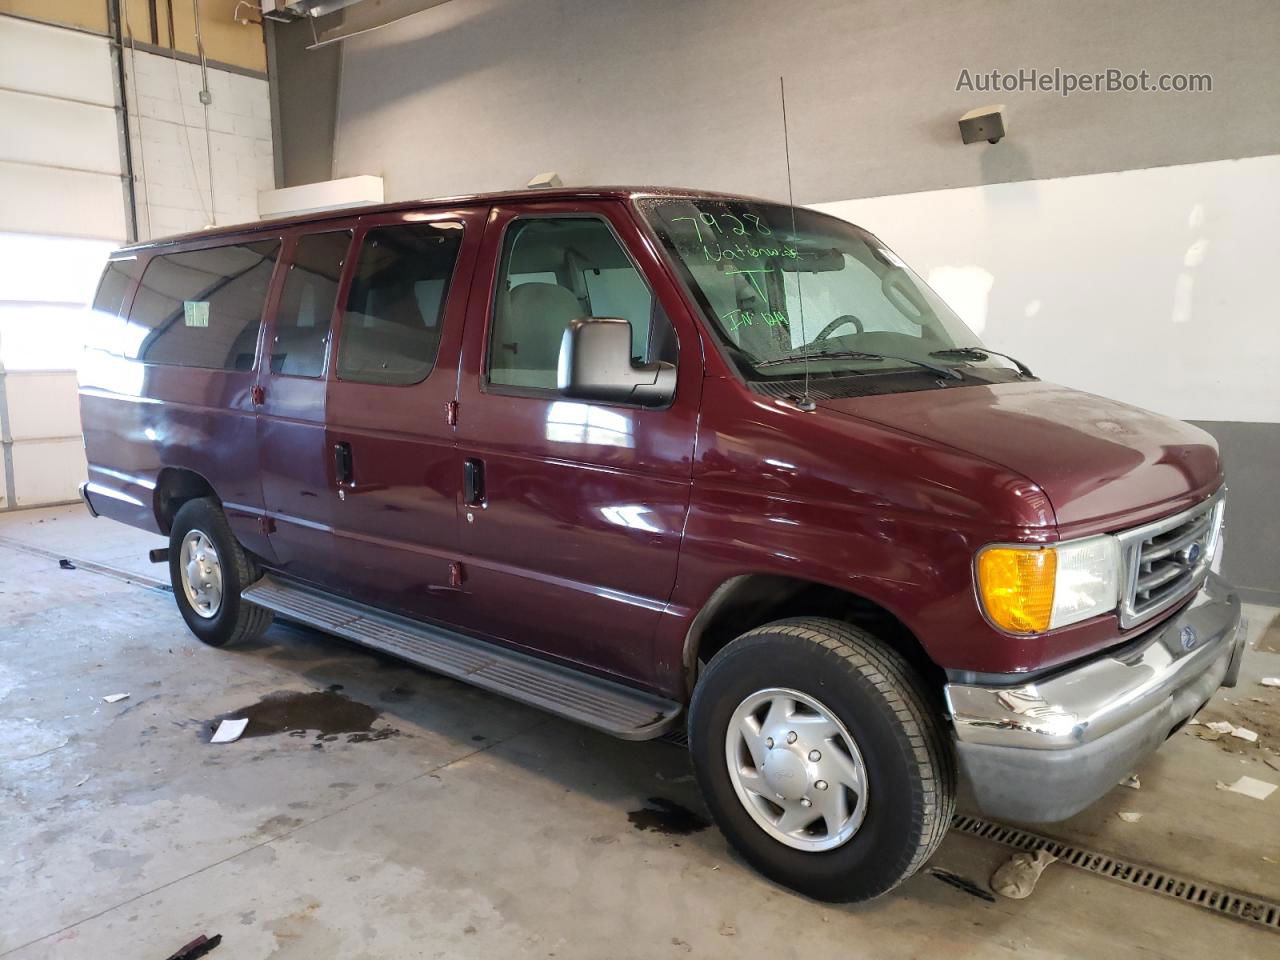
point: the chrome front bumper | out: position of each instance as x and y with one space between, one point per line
1044 751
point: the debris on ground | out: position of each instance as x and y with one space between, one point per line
229 731
1017 877
83 780
1204 733
1132 782
1129 816
66 564
197 947
115 697
1272 762
1250 787
1217 729
1270 681
960 883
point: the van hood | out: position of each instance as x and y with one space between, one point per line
1097 460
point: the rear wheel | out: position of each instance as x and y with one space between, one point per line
208 568
821 758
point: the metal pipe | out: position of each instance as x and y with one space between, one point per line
122 118
206 98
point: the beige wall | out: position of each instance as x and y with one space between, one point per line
225 40
87 14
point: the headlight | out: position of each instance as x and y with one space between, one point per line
1026 589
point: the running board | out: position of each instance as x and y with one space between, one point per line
611 707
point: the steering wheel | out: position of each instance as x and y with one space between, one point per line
836 324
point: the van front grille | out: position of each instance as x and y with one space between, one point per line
1168 560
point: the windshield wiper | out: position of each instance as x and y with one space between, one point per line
981 353
950 373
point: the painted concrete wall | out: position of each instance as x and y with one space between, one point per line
305 86
171 152
482 95
1146 285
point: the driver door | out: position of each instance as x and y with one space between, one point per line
572 510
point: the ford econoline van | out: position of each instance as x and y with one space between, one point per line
669 462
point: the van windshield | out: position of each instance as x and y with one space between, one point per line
823 288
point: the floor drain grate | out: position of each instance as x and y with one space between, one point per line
1220 900
678 736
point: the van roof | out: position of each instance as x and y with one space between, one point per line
501 196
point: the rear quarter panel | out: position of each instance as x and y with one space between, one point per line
140 419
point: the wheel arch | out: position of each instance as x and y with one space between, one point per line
176 486
746 601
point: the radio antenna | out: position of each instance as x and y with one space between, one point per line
806 401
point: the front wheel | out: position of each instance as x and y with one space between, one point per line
821 759
208 568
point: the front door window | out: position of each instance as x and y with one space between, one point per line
557 269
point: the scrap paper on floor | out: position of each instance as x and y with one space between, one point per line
229 730
1257 789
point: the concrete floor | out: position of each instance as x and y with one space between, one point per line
478 827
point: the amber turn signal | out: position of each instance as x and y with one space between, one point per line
1016 585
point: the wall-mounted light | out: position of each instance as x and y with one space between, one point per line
543 180
983 123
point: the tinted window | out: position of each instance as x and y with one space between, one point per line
391 327
104 332
558 269
306 304
202 308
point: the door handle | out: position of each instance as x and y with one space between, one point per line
473 482
342 463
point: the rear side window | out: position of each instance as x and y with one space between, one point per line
306 304
105 330
202 308
391 327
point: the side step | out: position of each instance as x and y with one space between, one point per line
607 706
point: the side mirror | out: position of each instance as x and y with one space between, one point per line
596 364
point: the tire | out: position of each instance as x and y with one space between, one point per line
234 620
901 741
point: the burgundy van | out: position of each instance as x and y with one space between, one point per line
663 461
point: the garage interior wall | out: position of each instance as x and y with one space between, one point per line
65 174
1118 242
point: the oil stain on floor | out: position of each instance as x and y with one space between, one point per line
327 712
667 816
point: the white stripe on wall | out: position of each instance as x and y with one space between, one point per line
1155 287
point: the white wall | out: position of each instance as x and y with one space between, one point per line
1150 286
171 153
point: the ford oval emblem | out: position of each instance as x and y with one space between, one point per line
1193 554
1188 637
